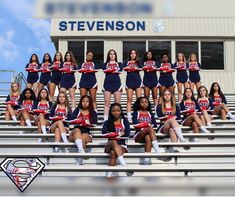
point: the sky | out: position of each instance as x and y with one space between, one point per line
21 34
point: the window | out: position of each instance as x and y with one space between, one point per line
159 48
97 47
140 47
187 47
212 55
77 48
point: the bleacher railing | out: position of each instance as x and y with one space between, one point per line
21 80
5 85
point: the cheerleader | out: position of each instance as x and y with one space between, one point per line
88 81
206 105
133 79
45 71
144 122
32 77
55 74
150 80
112 81
194 68
220 102
84 118
169 114
166 80
68 81
116 128
12 102
181 76
189 108
60 112
27 100
42 109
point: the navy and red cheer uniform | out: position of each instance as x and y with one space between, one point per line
185 105
167 114
112 82
182 75
133 79
67 78
56 111
150 76
43 106
77 114
32 70
140 117
56 74
123 129
27 105
88 79
45 73
15 101
205 104
219 99
166 78
194 75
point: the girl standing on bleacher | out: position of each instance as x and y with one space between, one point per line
194 67
144 123
42 109
88 82
150 80
60 112
27 101
220 102
166 80
32 69
182 76
45 71
112 82
68 81
206 105
169 114
116 127
133 79
55 74
189 108
12 102
84 118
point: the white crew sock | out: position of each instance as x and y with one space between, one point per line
129 116
179 134
204 130
230 115
209 124
39 140
156 146
121 160
79 145
44 131
28 123
64 137
106 117
14 118
109 174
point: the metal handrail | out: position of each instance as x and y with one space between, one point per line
7 82
21 80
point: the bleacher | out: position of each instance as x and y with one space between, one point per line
212 156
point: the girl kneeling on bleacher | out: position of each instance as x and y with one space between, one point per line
169 114
220 102
60 112
189 108
115 129
84 117
12 102
144 122
206 105
42 109
27 101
